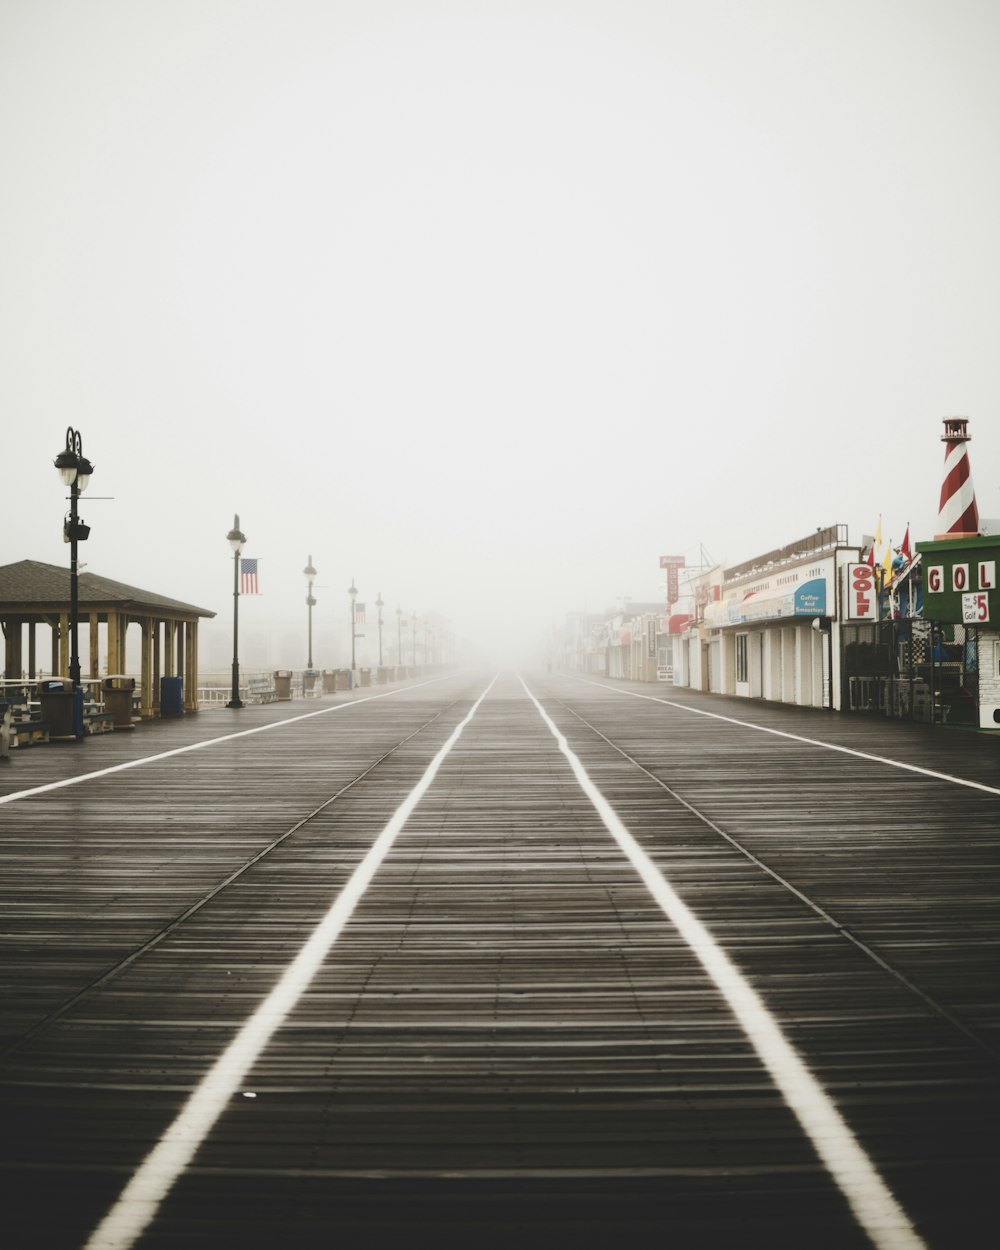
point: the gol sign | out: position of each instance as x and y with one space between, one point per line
862 601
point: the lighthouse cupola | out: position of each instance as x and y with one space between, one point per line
958 515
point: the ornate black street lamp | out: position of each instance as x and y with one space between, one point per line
310 574
379 603
75 470
237 540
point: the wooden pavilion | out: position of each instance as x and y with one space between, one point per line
33 594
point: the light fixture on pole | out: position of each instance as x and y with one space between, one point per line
75 470
353 592
413 622
310 575
379 603
399 634
237 540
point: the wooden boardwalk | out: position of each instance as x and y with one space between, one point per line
508 1042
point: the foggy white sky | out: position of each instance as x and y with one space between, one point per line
489 304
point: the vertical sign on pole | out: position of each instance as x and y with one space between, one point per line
862 596
672 564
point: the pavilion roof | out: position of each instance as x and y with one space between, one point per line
30 587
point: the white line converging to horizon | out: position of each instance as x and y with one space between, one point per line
875 1208
140 1199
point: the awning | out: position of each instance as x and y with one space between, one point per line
808 599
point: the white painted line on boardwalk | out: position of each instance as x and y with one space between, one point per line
198 746
874 1206
140 1199
813 742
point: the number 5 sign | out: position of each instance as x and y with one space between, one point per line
975 609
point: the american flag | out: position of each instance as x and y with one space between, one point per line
248 580
359 614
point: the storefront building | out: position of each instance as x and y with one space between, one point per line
962 601
772 631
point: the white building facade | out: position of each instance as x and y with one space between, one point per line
769 627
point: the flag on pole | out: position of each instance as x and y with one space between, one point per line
248 577
359 614
874 557
904 547
887 565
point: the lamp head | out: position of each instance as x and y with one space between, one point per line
72 465
236 538
66 465
83 471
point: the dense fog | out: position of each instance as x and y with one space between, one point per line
486 307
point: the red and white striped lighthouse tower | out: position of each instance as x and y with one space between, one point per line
958 516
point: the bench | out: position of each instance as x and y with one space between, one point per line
261 690
27 731
97 722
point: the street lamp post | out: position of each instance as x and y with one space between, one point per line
353 592
413 622
310 574
380 605
75 470
399 635
237 540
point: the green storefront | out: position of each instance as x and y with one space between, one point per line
961 595
960 581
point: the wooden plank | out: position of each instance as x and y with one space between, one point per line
509 1036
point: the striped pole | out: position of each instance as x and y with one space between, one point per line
958 516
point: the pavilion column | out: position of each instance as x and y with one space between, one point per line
169 637
32 655
95 638
113 662
191 666
13 664
146 678
157 669
61 666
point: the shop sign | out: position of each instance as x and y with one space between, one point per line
976 608
861 599
960 581
672 564
809 599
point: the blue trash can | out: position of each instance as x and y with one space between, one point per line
171 696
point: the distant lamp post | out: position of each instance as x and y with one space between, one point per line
310 575
413 622
353 592
75 470
379 603
399 635
237 540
